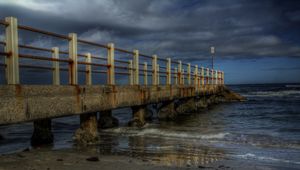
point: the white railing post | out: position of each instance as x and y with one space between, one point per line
179 72
158 76
12 48
154 70
169 74
88 74
176 76
223 77
130 70
145 74
202 76
111 64
212 76
196 76
218 77
136 66
55 65
182 77
73 57
189 73
207 76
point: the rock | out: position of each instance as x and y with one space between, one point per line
93 159
167 111
26 150
1 137
59 159
186 106
232 96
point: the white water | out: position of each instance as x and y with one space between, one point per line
153 132
265 158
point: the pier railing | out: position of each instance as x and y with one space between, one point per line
140 69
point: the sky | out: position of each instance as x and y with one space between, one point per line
256 41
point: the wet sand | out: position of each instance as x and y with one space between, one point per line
75 159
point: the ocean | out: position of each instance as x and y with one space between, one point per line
263 130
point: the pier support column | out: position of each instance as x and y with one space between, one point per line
138 113
106 120
42 133
187 106
88 131
167 111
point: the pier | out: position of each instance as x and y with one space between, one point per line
137 81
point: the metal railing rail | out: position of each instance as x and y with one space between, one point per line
184 73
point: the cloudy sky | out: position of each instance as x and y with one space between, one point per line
256 41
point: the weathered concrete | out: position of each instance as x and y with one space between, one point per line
42 133
19 103
186 106
106 120
138 114
88 131
167 111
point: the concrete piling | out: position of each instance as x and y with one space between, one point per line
106 120
42 133
138 113
88 131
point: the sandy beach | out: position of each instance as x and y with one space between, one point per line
77 159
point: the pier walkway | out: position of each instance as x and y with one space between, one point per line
86 83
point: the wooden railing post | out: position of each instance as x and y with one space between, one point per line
158 75
88 74
145 74
176 76
55 73
154 70
73 57
130 69
136 67
169 74
12 48
179 72
111 64
189 74
196 76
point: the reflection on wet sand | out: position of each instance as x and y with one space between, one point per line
161 151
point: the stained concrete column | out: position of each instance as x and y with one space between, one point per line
88 131
167 111
42 134
138 113
106 120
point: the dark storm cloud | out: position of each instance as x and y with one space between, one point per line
238 29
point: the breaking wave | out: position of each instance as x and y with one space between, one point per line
282 93
152 132
265 158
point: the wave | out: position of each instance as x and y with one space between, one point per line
265 158
153 132
292 85
283 93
